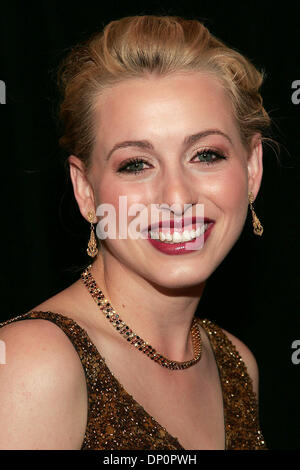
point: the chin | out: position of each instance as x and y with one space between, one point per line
179 287
175 279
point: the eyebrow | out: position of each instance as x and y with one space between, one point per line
188 140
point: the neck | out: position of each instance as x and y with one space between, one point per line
160 316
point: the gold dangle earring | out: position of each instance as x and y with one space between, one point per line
257 227
92 249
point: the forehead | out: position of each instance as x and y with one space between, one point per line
169 105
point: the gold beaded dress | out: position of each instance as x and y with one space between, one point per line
117 422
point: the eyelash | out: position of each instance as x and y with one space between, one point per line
208 151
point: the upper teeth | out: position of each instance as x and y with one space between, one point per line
177 237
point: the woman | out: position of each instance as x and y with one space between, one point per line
158 111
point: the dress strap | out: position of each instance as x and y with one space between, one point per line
239 399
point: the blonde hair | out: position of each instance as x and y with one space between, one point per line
135 46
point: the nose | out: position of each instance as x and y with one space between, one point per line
176 189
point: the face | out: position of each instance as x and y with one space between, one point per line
213 170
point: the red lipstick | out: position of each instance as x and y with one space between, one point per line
182 247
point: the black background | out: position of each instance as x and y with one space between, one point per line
254 293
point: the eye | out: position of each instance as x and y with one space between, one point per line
136 165
206 156
209 156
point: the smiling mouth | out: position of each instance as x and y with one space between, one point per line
174 236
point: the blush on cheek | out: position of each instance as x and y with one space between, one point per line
118 204
235 196
228 190
236 182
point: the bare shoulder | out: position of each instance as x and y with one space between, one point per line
42 388
248 358
39 336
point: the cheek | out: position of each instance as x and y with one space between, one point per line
110 190
228 189
106 193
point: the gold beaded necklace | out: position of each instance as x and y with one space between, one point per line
131 337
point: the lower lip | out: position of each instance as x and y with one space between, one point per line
181 248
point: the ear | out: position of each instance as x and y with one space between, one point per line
83 190
255 165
